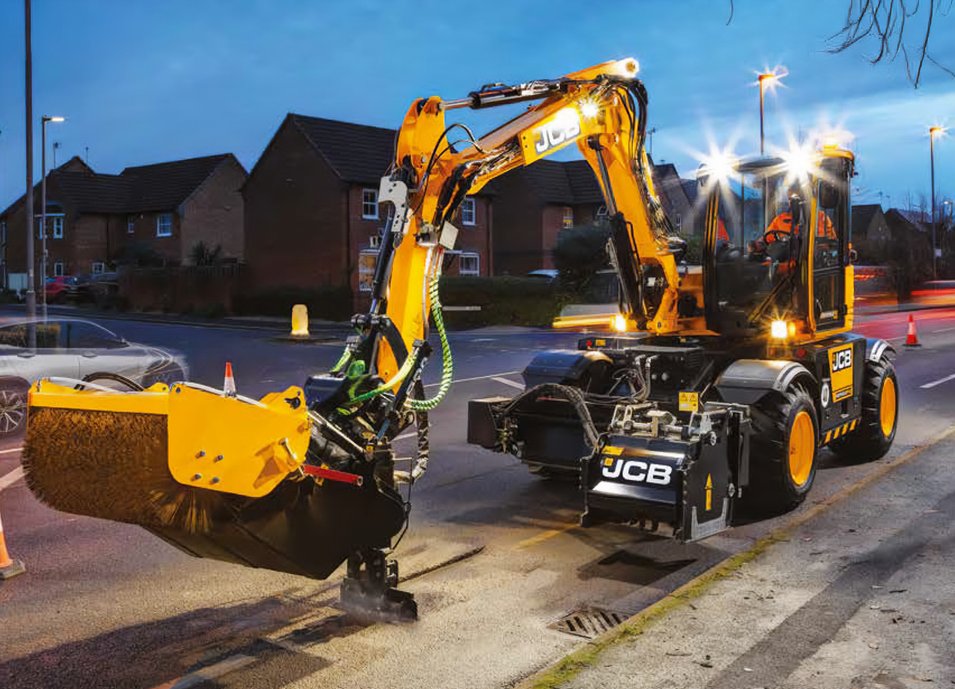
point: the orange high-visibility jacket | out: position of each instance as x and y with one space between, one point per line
783 223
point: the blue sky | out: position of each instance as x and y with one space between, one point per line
144 82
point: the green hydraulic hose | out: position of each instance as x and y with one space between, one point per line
343 361
385 387
447 363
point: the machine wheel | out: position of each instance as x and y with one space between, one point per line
873 437
785 438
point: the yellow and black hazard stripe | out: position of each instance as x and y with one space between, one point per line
840 431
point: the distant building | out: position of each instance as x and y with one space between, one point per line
678 197
533 204
871 236
93 219
312 216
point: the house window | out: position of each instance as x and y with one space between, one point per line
374 241
164 225
567 217
468 212
98 267
58 269
469 263
57 227
369 204
3 231
130 224
366 269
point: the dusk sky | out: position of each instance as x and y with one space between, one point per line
143 82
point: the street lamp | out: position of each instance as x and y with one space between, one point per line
43 257
766 79
932 133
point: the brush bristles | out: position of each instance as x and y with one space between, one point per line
113 465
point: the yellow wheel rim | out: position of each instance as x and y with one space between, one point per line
802 448
887 405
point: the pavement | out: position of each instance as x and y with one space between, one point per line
494 555
859 596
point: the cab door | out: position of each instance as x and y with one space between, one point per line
830 244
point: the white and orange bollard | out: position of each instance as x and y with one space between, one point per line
9 567
228 382
912 338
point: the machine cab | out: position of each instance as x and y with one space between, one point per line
777 245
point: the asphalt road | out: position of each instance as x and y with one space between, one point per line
502 557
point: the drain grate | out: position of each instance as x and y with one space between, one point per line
589 622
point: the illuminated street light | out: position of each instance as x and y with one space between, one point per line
766 79
932 133
43 257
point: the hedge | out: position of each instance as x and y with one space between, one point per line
503 301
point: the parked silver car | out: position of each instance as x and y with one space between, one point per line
77 349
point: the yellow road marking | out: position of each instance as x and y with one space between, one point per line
544 536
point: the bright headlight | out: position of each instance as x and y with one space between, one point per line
589 109
721 165
799 162
619 323
779 330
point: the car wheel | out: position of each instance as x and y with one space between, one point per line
168 374
13 409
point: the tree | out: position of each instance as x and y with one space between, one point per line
890 25
203 255
580 252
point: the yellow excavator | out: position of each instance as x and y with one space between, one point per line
304 480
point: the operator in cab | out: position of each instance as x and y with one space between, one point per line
782 223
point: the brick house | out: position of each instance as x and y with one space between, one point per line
94 218
871 235
311 208
533 204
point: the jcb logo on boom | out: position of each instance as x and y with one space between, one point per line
842 360
561 129
638 472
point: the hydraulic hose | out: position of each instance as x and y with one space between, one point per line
447 363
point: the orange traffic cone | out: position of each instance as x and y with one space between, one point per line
228 385
912 338
9 567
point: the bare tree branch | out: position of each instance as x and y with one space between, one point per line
885 22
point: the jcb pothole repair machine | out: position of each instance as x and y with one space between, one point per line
727 379
304 480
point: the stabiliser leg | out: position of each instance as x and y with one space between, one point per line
368 589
